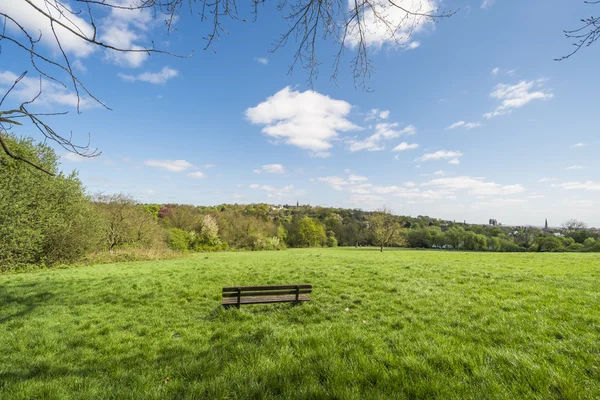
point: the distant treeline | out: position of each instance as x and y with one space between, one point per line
49 220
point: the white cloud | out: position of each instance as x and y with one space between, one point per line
197 175
274 191
476 186
518 95
357 178
547 179
123 29
383 131
170 165
495 71
36 23
587 185
308 120
384 114
209 166
572 167
463 124
262 60
79 66
440 173
405 146
487 3
454 161
579 145
440 155
335 182
157 78
52 95
413 45
401 27
73 157
270 169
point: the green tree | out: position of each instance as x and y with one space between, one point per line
589 242
45 219
385 230
331 240
126 224
311 232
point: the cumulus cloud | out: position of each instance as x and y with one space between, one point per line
157 78
476 186
197 175
463 124
442 154
402 26
383 132
271 169
273 191
573 167
587 185
125 29
495 71
34 22
261 60
52 94
308 120
405 146
454 161
73 157
579 145
170 165
518 95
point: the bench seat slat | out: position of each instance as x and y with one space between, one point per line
281 287
265 300
267 293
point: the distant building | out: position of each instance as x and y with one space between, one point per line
493 222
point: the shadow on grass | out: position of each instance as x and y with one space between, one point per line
26 302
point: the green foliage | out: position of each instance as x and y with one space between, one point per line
310 233
125 224
549 243
575 247
45 220
589 242
331 240
178 239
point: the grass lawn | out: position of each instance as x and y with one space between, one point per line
400 325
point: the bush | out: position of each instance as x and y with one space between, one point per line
331 241
575 247
46 220
179 239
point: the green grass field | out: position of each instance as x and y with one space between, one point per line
400 325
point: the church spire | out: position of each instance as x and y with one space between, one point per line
546 225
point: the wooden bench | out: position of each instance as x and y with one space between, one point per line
238 295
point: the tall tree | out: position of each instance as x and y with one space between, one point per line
384 228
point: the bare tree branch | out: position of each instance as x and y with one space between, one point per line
584 36
309 21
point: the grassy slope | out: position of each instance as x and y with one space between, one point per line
420 325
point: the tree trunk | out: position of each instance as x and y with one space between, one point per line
381 250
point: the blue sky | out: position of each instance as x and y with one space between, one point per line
469 120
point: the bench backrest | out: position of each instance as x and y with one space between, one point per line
254 291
